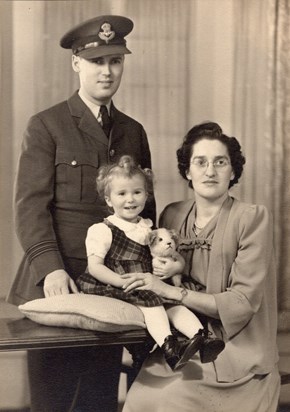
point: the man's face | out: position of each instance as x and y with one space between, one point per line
100 78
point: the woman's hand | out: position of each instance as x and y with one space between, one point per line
142 281
58 282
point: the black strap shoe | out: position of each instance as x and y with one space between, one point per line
177 353
211 348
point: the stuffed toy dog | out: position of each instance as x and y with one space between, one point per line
163 244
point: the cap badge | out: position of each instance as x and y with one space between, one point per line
106 34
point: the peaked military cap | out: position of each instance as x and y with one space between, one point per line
100 36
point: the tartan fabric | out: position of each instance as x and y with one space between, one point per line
124 256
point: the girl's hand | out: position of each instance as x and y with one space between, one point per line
165 268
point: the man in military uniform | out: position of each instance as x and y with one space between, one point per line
56 202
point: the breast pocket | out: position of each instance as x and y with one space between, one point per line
76 176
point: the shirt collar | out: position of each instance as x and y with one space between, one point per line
128 226
95 108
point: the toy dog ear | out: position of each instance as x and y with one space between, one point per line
151 237
174 235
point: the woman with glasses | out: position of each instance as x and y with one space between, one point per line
229 279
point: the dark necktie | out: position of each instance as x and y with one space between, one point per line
106 121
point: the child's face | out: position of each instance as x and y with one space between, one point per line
127 197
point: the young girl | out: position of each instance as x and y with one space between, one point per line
119 245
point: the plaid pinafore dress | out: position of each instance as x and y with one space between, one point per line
124 256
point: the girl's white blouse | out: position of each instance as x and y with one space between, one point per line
99 236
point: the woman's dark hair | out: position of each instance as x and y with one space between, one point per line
210 131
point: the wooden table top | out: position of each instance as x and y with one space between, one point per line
20 333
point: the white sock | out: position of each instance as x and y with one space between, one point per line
184 320
157 323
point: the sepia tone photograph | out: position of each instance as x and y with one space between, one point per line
145 232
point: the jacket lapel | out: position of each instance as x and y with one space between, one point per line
85 120
217 271
176 215
119 119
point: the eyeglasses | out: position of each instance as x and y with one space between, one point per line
203 163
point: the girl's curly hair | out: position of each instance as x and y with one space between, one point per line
210 131
125 167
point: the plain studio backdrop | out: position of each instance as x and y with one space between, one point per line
192 60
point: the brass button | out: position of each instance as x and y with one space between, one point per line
112 152
74 162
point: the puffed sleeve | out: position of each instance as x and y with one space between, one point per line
34 193
98 240
250 270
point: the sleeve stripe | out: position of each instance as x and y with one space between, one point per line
40 248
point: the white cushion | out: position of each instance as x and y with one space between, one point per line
83 311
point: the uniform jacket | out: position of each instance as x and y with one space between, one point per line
55 193
242 278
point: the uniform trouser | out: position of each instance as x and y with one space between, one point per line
75 379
